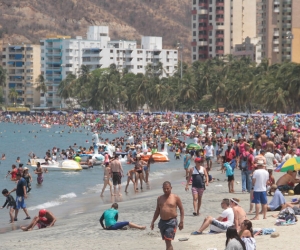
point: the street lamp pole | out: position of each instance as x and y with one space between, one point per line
180 47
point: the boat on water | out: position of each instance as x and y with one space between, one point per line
46 126
66 165
158 156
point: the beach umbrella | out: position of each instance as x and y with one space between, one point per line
291 164
193 145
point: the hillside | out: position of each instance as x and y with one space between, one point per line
30 20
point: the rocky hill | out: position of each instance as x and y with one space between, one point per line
29 20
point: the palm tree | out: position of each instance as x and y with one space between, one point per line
13 94
65 87
41 84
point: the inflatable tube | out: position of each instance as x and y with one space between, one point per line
157 157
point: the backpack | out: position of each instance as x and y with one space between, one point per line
244 163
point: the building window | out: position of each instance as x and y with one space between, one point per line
111 51
194 33
194 57
194 49
194 25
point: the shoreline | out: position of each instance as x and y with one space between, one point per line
84 231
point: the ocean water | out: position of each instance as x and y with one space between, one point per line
63 192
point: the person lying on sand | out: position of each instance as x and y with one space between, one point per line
45 219
110 216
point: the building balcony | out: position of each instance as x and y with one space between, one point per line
287 1
276 10
210 27
219 35
219 4
202 27
220 12
194 12
203 12
286 49
276 2
276 41
287 25
288 18
202 36
54 54
193 44
203 5
276 33
202 43
220 20
286 57
276 49
219 51
219 43
287 9
203 20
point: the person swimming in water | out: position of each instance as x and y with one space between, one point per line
39 172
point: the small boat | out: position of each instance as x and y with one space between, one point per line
66 165
157 157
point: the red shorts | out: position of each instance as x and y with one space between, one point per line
198 191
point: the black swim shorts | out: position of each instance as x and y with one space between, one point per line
116 178
168 228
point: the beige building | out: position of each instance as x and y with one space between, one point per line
279 29
218 26
23 65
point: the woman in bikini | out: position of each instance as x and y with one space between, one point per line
139 171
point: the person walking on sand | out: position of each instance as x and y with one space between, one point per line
110 217
106 180
117 173
197 174
260 180
45 219
21 196
166 208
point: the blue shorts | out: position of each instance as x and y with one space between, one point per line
20 202
118 225
260 197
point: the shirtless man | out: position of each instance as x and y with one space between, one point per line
106 179
287 181
117 173
167 210
264 139
239 213
45 219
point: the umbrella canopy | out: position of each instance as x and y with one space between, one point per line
291 164
193 145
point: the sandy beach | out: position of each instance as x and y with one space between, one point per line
83 231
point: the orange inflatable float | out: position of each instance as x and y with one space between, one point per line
157 157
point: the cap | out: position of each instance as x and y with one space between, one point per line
26 168
42 212
198 159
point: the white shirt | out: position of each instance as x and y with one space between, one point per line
269 160
261 177
229 215
209 150
196 140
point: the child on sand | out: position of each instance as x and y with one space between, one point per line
10 202
230 176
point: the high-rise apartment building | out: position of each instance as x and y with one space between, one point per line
22 65
219 25
63 55
279 29
222 27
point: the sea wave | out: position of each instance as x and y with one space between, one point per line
57 202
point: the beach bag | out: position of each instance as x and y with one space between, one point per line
244 163
297 189
287 216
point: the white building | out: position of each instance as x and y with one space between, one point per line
63 55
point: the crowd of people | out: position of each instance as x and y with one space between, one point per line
255 145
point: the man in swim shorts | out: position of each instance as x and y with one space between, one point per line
167 210
110 216
45 219
117 173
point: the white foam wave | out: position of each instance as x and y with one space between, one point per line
57 202
67 196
